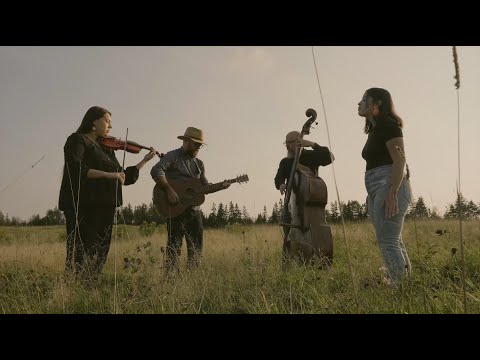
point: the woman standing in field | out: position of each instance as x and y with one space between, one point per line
90 192
388 187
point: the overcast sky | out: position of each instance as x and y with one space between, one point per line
245 99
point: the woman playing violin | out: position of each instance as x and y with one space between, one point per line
91 190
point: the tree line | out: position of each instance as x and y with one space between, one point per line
224 214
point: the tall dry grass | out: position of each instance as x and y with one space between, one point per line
241 272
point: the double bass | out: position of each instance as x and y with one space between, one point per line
309 238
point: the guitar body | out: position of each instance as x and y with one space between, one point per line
189 194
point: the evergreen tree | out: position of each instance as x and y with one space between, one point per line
222 216
363 212
334 213
231 213
472 210
280 210
347 210
212 217
419 209
15 221
238 214
204 219
154 216
54 217
245 216
469 209
127 213
275 216
35 220
140 214
352 211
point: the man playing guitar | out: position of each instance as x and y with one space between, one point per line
179 165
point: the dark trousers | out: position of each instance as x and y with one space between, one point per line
190 225
88 242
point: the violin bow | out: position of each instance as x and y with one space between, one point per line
124 151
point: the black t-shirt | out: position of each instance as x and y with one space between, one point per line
82 154
375 151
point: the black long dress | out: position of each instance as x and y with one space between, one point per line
89 204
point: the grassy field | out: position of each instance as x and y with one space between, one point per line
241 273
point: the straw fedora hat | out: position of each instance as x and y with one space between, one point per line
193 134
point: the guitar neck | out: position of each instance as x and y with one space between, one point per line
207 189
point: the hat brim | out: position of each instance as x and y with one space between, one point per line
198 141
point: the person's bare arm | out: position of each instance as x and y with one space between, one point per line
397 153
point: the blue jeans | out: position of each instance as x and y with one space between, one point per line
389 231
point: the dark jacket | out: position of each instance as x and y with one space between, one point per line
81 154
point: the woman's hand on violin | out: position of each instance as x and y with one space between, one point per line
147 158
150 155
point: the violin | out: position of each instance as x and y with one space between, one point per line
113 143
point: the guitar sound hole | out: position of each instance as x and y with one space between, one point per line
187 196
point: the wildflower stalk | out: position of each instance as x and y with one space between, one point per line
459 192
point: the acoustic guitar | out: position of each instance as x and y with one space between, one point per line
190 193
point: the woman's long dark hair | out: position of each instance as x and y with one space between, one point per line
92 114
383 99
